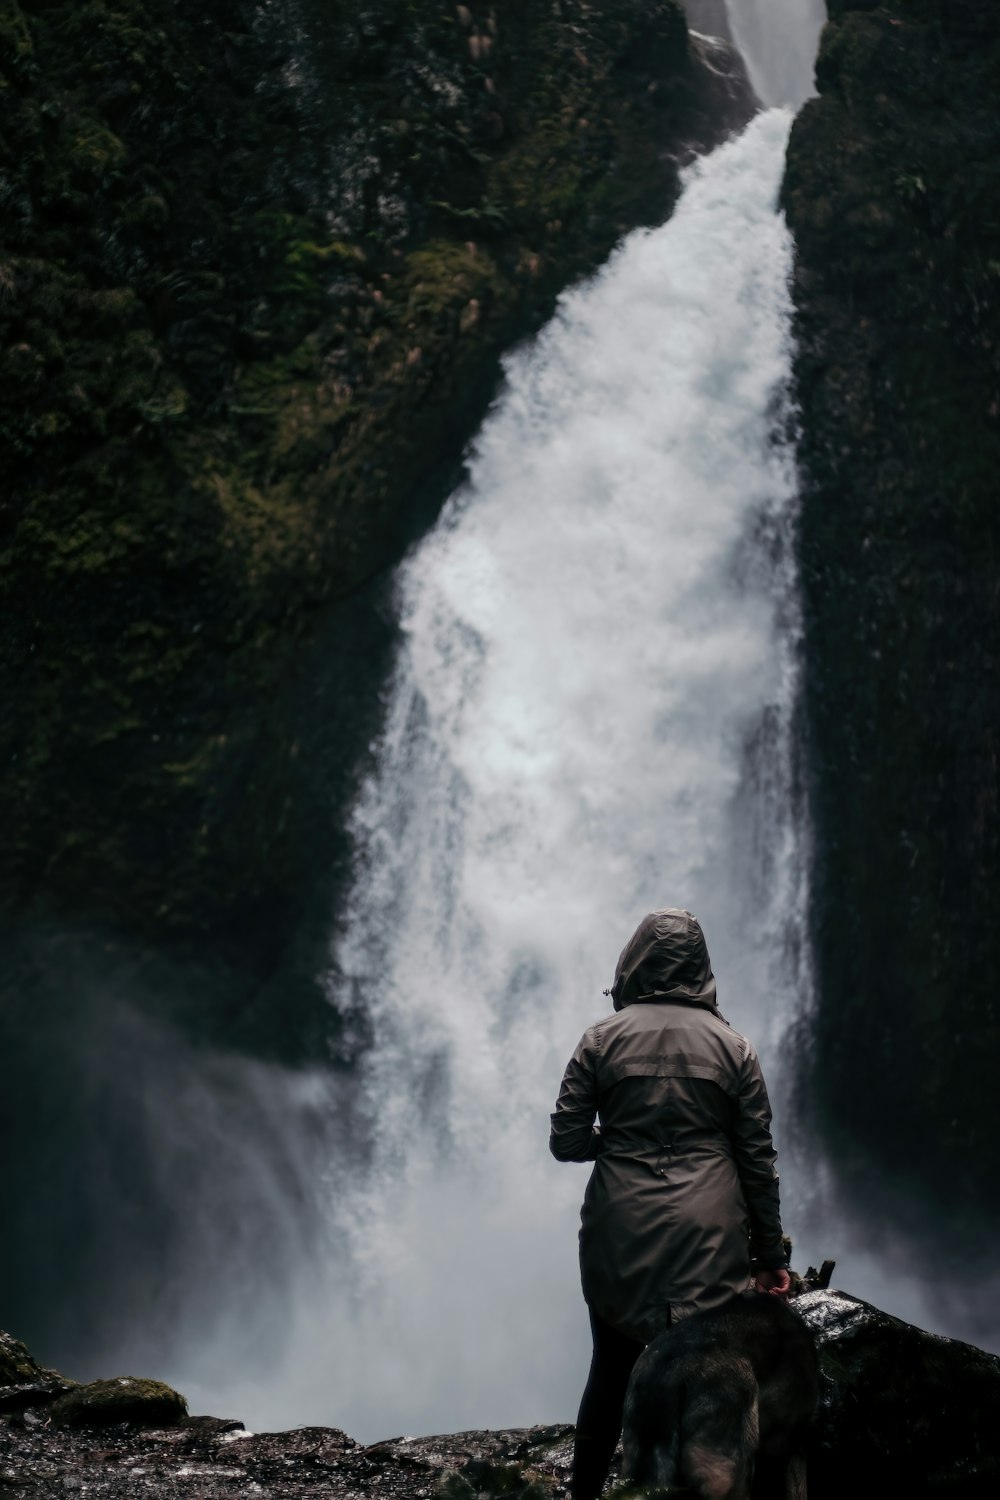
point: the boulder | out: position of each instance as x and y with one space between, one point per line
903 1411
103 1403
28 1387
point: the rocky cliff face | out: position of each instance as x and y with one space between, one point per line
259 266
892 191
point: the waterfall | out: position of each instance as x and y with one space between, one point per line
589 717
780 74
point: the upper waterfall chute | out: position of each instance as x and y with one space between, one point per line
777 40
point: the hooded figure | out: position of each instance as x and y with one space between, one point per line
684 1190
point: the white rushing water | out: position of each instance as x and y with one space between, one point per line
778 40
589 718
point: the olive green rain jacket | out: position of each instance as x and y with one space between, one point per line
684 1189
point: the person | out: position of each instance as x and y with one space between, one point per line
681 1211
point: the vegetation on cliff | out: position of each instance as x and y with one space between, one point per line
893 193
258 267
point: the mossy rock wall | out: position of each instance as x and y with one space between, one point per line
258 267
17 1367
893 194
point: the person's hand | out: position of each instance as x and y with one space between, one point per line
776 1283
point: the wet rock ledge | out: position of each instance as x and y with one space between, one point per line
901 1408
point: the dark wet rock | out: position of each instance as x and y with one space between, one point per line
33 1393
45 1395
903 1412
18 1368
123 1398
892 183
212 1461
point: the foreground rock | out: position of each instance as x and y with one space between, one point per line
903 1411
23 1382
207 1457
105 1403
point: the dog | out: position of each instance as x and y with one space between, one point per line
715 1392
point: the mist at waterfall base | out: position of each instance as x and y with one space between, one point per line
590 716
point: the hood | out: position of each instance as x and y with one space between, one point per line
665 959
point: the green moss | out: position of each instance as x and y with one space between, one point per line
17 1367
104 1403
245 329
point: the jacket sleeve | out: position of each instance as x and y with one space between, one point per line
574 1136
755 1158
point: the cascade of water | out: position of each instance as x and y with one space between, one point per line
589 718
780 74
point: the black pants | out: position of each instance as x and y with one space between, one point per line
599 1425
